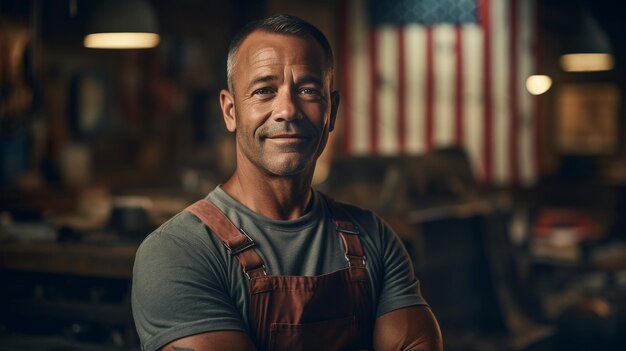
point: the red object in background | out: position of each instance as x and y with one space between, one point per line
584 225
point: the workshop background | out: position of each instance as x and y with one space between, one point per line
474 127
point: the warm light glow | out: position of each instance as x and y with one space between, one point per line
538 84
587 62
121 40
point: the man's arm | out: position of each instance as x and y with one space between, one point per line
231 340
410 328
180 288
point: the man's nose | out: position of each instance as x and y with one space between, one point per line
286 106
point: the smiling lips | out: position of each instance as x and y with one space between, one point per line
287 136
289 142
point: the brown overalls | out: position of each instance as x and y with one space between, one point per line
328 312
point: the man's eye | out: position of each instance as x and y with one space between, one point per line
310 91
262 91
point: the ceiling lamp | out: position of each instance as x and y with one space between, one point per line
588 48
122 24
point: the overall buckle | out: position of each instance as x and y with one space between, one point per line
349 260
242 247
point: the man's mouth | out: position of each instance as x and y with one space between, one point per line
287 136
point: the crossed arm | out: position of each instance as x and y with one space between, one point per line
411 328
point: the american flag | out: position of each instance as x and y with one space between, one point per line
423 74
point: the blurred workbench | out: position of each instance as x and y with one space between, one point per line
70 294
90 260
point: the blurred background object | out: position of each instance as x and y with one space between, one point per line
501 169
117 24
587 47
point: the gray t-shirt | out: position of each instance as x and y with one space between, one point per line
185 282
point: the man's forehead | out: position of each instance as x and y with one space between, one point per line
266 48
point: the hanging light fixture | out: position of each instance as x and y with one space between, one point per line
122 24
588 48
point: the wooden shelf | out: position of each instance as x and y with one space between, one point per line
105 261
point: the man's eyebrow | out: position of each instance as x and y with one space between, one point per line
309 78
262 79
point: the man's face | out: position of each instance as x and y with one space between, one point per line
281 106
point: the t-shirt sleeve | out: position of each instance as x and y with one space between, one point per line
179 288
400 287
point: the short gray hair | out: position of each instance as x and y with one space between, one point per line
279 24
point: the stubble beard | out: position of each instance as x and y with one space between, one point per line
272 159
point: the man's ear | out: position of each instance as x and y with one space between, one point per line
334 107
227 102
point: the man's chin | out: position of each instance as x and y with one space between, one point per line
287 168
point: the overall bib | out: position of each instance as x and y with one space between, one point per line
328 312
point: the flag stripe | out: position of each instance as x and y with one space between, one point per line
346 99
443 121
430 88
500 99
416 88
458 87
513 106
374 88
538 122
488 123
526 123
401 90
388 91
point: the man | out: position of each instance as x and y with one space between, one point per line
264 262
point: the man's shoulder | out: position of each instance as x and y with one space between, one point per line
180 225
362 217
183 229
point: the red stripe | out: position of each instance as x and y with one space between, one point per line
346 79
538 100
374 86
513 91
430 88
401 92
487 94
459 136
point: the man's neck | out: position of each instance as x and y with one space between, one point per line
275 197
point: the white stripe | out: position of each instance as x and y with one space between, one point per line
444 70
415 42
388 90
500 89
473 39
360 78
525 13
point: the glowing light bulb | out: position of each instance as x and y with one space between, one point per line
538 84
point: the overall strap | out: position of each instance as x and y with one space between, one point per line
237 242
348 232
